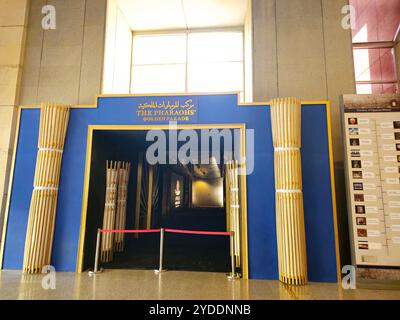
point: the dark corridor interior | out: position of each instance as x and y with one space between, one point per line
181 196
181 251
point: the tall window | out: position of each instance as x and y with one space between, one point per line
187 62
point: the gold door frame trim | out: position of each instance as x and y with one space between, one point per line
92 128
333 191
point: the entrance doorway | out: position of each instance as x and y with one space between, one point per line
206 196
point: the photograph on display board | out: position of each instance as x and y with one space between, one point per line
353 121
355 153
362 233
360 209
354 142
358 186
359 198
356 164
357 175
361 221
353 131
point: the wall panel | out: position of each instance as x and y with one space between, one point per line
301 60
301 49
64 64
265 70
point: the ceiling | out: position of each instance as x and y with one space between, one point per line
147 15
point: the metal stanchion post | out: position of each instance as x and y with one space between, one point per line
96 259
160 267
233 275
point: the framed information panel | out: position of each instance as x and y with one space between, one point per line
371 125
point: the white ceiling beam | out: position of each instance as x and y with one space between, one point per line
183 14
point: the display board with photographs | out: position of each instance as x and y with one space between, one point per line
371 127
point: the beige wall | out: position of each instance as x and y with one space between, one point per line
117 58
301 49
64 65
248 54
36 65
13 19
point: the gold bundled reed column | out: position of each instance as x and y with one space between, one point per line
42 212
286 135
120 218
232 176
107 239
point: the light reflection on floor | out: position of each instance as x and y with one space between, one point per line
139 284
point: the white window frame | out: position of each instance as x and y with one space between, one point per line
378 45
187 32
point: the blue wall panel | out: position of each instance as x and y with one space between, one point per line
216 109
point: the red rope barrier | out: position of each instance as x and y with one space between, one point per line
211 233
132 231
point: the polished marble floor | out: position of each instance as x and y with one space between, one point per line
140 284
